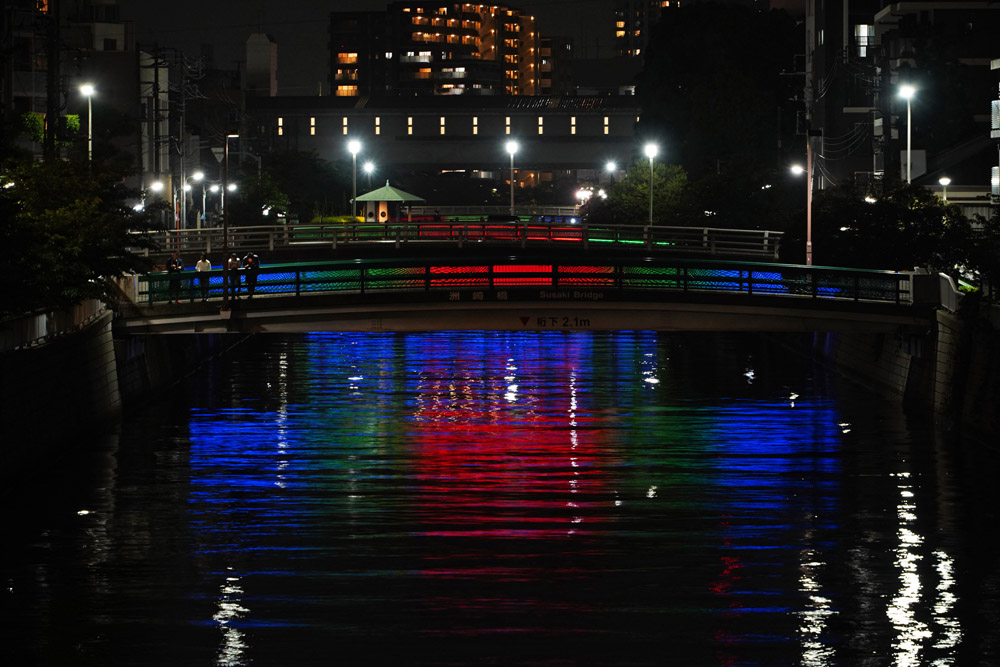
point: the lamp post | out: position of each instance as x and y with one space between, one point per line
197 177
511 147
225 224
797 170
355 147
945 182
87 90
611 167
907 92
369 168
651 150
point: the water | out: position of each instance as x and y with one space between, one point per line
539 499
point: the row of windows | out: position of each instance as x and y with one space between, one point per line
443 124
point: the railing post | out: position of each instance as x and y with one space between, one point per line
298 282
585 232
749 282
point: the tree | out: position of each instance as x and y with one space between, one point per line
312 185
628 199
895 226
65 231
261 199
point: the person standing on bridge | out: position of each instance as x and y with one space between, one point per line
233 265
251 266
174 267
203 266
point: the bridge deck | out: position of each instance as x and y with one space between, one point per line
511 292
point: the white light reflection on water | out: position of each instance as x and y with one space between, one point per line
912 634
233 647
813 620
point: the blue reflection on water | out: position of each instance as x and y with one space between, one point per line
440 466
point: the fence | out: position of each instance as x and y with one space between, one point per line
635 276
710 241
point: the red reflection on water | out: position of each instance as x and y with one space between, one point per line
508 461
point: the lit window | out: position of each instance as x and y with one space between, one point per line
409 124
442 124
347 91
312 125
281 126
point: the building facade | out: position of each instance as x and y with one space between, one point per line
558 137
858 57
434 48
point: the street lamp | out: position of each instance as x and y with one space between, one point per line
369 168
907 92
355 147
511 147
798 169
225 224
945 182
611 167
185 189
197 177
651 150
87 90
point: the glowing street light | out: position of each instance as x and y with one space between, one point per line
945 182
651 150
369 168
354 146
511 147
907 92
198 177
87 90
798 170
611 167
226 278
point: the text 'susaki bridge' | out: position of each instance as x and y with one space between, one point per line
508 284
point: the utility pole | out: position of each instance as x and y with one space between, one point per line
52 66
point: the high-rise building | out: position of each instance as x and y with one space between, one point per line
633 21
434 48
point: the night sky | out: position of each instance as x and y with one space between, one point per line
299 27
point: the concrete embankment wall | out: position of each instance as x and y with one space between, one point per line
53 392
953 368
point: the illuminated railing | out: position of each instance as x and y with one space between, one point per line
460 230
635 278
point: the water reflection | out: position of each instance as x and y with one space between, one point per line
513 498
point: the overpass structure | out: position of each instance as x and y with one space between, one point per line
505 289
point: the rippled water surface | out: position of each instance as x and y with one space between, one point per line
551 499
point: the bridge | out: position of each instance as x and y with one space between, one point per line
460 228
509 288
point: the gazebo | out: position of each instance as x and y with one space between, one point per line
377 203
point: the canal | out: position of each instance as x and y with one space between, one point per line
493 498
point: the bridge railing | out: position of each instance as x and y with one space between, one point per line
630 277
708 241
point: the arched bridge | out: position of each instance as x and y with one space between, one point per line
511 289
